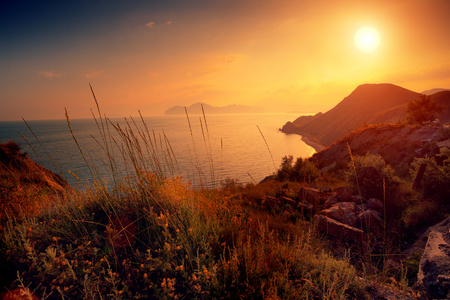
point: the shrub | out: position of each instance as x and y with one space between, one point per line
436 179
423 110
303 170
421 214
369 172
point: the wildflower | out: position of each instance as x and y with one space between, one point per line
167 246
145 275
178 248
179 268
55 239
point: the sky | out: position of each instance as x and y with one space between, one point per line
281 55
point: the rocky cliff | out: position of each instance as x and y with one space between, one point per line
367 104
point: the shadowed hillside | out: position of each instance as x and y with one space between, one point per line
367 104
19 175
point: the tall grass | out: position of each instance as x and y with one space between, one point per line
148 235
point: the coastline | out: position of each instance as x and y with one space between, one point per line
316 145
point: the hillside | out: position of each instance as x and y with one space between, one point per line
196 109
367 104
397 144
20 175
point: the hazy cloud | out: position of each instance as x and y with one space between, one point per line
49 74
216 64
150 25
153 74
94 73
437 72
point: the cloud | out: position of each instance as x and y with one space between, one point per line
153 74
49 74
437 72
150 25
94 73
215 64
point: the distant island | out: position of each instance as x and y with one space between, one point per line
196 109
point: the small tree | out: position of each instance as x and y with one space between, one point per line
371 170
423 110
301 170
436 179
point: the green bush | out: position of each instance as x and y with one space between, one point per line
423 110
421 214
369 172
436 179
302 171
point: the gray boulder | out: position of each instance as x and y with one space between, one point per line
376 205
434 268
335 228
343 212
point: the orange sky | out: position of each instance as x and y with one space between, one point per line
284 56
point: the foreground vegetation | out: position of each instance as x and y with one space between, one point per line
147 236
160 239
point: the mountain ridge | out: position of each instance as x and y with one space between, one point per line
367 104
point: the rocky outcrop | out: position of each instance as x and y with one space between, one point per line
395 143
434 268
343 212
335 228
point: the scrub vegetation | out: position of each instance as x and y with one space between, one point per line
146 235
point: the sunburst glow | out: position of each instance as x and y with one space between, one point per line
367 39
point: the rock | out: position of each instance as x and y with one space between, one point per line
269 201
376 205
343 212
355 199
305 206
370 221
268 178
330 201
325 189
335 228
291 214
434 267
309 194
286 200
343 193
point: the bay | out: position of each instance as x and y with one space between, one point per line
204 152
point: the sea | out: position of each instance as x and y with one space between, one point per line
203 151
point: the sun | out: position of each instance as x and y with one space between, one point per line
367 39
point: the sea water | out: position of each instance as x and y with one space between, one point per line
203 152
